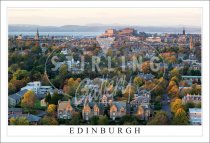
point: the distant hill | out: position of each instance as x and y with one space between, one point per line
98 28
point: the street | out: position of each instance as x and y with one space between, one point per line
166 105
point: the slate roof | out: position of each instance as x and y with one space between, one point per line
100 105
146 76
30 117
41 113
18 95
64 105
15 110
119 105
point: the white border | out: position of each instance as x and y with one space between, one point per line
156 133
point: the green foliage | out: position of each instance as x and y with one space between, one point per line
180 117
175 79
71 86
119 93
36 50
20 74
129 120
48 98
94 120
198 105
189 105
19 121
11 88
49 121
55 98
138 81
103 120
158 98
175 73
196 89
13 68
37 104
76 119
160 118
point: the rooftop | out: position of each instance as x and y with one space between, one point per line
18 95
30 117
194 110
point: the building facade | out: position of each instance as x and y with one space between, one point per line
64 110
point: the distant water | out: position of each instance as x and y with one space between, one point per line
74 34
78 34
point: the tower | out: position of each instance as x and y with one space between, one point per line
37 35
191 43
183 33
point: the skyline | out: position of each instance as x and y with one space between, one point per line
112 16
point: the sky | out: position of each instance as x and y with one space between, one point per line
106 16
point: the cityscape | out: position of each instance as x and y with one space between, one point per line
119 76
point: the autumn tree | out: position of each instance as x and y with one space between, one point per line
11 88
28 100
149 85
171 84
174 91
129 92
170 59
196 89
49 121
19 121
138 81
175 105
45 80
175 79
71 86
13 68
180 117
146 67
175 73
162 82
51 109
20 74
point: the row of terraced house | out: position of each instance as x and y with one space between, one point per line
139 106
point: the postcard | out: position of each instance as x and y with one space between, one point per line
106 69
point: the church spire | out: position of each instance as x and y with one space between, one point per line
37 35
37 32
183 31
